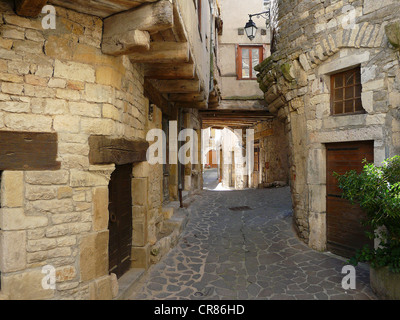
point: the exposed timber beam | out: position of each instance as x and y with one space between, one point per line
163 52
187 97
132 41
29 8
169 71
152 18
192 105
177 86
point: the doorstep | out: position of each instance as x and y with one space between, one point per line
127 283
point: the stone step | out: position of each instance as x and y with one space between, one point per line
128 282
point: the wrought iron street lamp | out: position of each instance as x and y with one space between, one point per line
251 28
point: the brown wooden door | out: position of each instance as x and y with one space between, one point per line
120 222
345 234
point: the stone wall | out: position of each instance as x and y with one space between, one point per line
314 39
59 81
273 158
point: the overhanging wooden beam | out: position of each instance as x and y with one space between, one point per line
132 41
177 86
163 52
193 105
187 97
29 8
169 71
152 18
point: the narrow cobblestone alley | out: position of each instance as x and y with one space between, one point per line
249 252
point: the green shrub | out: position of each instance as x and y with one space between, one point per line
377 191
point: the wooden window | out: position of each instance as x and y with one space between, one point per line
346 92
247 58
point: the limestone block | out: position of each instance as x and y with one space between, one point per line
108 76
367 99
142 170
139 191
114 284
88 179
12 88
317 198
74 71
316 168
28 122
47 177
138 212
12 251
374 85
41 245
67 229
100 208
12 189
97 126
101 289
33 192
57 83
93 256
111 112
85 109
99 93
65 123
15 219
26 286
141 257
317 235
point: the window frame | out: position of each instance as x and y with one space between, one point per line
239 60
354 85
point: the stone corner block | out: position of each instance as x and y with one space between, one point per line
141 257
94 255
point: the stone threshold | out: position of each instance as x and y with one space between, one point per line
127 283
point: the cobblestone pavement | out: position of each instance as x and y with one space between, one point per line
252 253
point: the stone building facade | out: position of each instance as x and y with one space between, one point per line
75 110
315 44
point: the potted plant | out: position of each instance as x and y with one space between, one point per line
377 190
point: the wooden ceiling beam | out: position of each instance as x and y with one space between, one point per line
177 86
163 52
120 34
169 71
29 8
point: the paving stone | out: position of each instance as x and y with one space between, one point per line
223 254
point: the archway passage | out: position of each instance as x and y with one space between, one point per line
345 233
120 221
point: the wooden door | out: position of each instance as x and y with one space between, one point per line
120 222
345 234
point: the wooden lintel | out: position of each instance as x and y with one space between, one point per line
177 86
28 151
169 71
152 18
163 52
105 150
29 8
